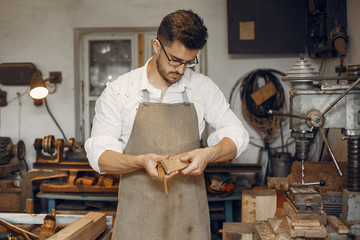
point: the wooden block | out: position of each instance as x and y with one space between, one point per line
309 233
88 227
278 183
281 199
6 183
258 205
293 191
264 93
29 205
337 225
279 226
85 181
236 230
174 163
10 200
105 181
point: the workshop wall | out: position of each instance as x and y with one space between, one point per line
41 32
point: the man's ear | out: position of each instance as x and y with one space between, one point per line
156 46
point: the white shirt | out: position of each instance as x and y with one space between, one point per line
116 108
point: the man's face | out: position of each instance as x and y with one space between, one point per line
176 52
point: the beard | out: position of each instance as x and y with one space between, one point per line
167 75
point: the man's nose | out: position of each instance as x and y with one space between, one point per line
181 69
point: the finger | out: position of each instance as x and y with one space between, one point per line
186 158
188 169
171 175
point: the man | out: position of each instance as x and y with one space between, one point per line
157 111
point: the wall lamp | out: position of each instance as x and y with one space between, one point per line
38 89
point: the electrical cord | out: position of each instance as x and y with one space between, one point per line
47 108
257 116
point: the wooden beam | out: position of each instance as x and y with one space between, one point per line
88 227
141 45
258 205
337 225
26 235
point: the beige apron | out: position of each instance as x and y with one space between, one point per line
144 212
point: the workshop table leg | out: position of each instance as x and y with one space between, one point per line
51 205
228 211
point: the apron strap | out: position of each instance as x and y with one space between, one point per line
185 98
146 97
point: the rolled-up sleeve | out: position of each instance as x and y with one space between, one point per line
106 129
224 121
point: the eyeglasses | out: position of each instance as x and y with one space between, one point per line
176 63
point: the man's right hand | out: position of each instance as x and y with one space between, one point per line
150 162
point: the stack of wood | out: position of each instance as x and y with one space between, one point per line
258 219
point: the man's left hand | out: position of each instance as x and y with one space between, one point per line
198 158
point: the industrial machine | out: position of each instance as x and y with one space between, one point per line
318 103
10 156
49 150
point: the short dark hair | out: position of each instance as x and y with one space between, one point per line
184 26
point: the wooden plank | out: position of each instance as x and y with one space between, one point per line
236 230
174 163
88 227
141 51
305 223
337 224
309 233
258 205
10 201
46 187
24 233
61 219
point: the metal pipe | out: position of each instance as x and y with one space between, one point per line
331 152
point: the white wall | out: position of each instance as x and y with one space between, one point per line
41 32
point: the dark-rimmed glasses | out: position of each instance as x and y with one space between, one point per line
176 63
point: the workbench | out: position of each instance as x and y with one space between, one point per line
52 197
